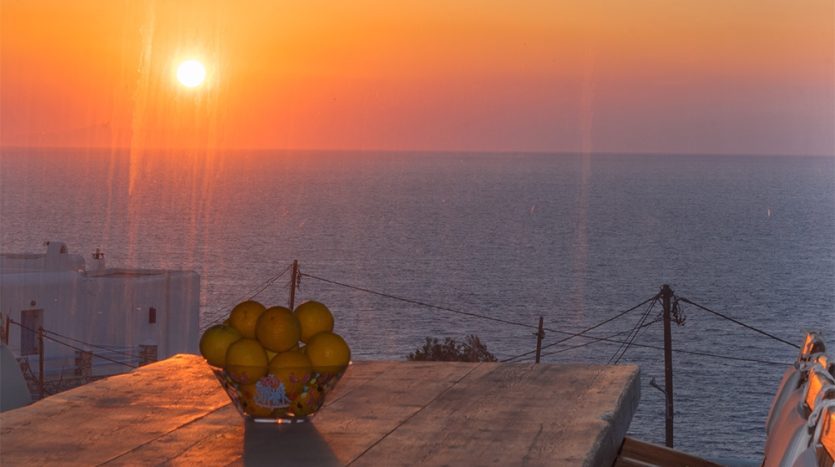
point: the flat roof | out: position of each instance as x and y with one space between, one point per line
23 255
126 273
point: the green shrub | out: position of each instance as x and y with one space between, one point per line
471 350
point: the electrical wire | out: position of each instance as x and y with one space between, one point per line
249 296
584 344
126 354
584 331
47 337
610 340
270 282
476 315
516 323
593 340
686 352
424 304
739 322
101 357
634 334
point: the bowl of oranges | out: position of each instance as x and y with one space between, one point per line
276 364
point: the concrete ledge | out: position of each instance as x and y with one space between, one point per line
381 413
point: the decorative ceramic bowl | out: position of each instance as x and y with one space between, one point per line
285 398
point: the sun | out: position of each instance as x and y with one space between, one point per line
191 73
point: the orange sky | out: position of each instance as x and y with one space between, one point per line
715 76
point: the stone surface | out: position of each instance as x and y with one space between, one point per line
381 413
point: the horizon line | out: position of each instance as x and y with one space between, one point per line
555 152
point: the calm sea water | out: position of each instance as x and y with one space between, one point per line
575 239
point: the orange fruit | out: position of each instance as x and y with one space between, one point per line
277 329
306 403
328 352
215 341
244 317
292 369
314 318
246 361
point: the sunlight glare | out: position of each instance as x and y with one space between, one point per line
191 73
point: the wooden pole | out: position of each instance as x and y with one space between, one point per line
666 295
540 334
6 323
40 362
293 282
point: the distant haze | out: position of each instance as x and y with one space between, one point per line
690 76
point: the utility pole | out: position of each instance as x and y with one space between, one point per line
5 335
293 281
40 363
666 296
540 334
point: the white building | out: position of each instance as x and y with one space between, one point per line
117 314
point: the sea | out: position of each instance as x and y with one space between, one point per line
408 245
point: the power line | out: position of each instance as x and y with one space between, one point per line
270 282
416 302
593 340
688 352
614 341
630 334
633 334
94 354
516 323
584 331
45 336
250 296
476 315
609 339
654 347
706 354
724 357
739 322
94 345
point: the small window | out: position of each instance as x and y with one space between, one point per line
31 320
152 315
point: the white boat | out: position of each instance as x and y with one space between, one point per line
96 320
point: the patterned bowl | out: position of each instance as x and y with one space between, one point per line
286 398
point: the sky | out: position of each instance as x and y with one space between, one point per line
657 76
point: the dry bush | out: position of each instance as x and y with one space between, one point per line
471 350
